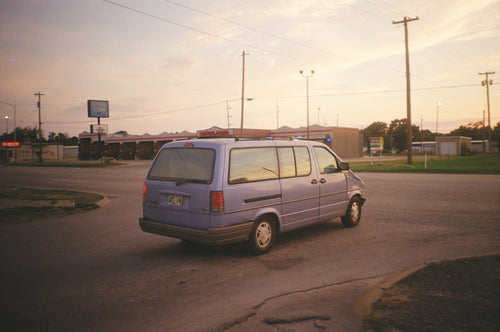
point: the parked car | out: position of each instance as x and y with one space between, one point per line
219 191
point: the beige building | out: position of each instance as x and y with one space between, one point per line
347 142
452 145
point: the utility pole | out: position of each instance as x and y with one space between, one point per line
487 83
277 115
408 87
228 116
307 93
39 104
243 92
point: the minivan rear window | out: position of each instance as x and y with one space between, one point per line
184 165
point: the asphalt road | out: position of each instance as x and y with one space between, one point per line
97 271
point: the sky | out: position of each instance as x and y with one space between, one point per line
170 66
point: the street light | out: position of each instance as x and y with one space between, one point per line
437 116
15 131
307 93
7 118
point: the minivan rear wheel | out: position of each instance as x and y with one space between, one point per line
353 214
263 235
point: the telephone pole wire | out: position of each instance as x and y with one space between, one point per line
39 104
408 87
487 83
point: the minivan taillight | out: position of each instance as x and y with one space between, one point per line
143 193
217 201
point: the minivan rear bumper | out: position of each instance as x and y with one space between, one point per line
213 236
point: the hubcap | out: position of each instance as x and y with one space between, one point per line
354 211
263 234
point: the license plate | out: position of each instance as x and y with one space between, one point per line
175 200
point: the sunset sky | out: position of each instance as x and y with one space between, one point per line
175 65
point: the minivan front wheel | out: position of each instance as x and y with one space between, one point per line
263 235
353 214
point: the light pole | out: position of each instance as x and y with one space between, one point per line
15 129
437 115
307 94
7 118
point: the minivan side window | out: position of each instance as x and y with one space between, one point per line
326 160
302 160
253 164
294 161
287 162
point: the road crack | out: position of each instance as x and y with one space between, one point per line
317 318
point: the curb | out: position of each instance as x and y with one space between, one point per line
103 202
363 306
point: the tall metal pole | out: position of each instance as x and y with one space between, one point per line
243 93
40 123
228 116
408 87
15 128
488 83
307 96
277 115
437 115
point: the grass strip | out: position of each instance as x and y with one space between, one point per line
479 164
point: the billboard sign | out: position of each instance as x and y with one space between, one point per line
98 108
376 145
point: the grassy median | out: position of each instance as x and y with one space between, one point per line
479 164
23 204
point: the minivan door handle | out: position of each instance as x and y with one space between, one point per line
322 180
314 181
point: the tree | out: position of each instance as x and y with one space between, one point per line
122 132
495 135
71 141
376 129
397 134
475 130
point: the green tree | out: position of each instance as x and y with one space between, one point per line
475 130
71 141
495 134
377 129
398 134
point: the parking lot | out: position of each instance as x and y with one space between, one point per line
98 271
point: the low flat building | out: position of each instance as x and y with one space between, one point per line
347 142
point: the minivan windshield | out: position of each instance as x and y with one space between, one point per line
184 165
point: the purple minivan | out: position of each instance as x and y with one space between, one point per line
219 191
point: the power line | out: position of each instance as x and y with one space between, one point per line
200 31
356 93
254 29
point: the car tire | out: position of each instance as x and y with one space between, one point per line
263 235
353 214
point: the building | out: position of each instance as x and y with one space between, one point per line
452 145
28 152
347 142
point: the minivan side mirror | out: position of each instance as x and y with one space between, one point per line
343 166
